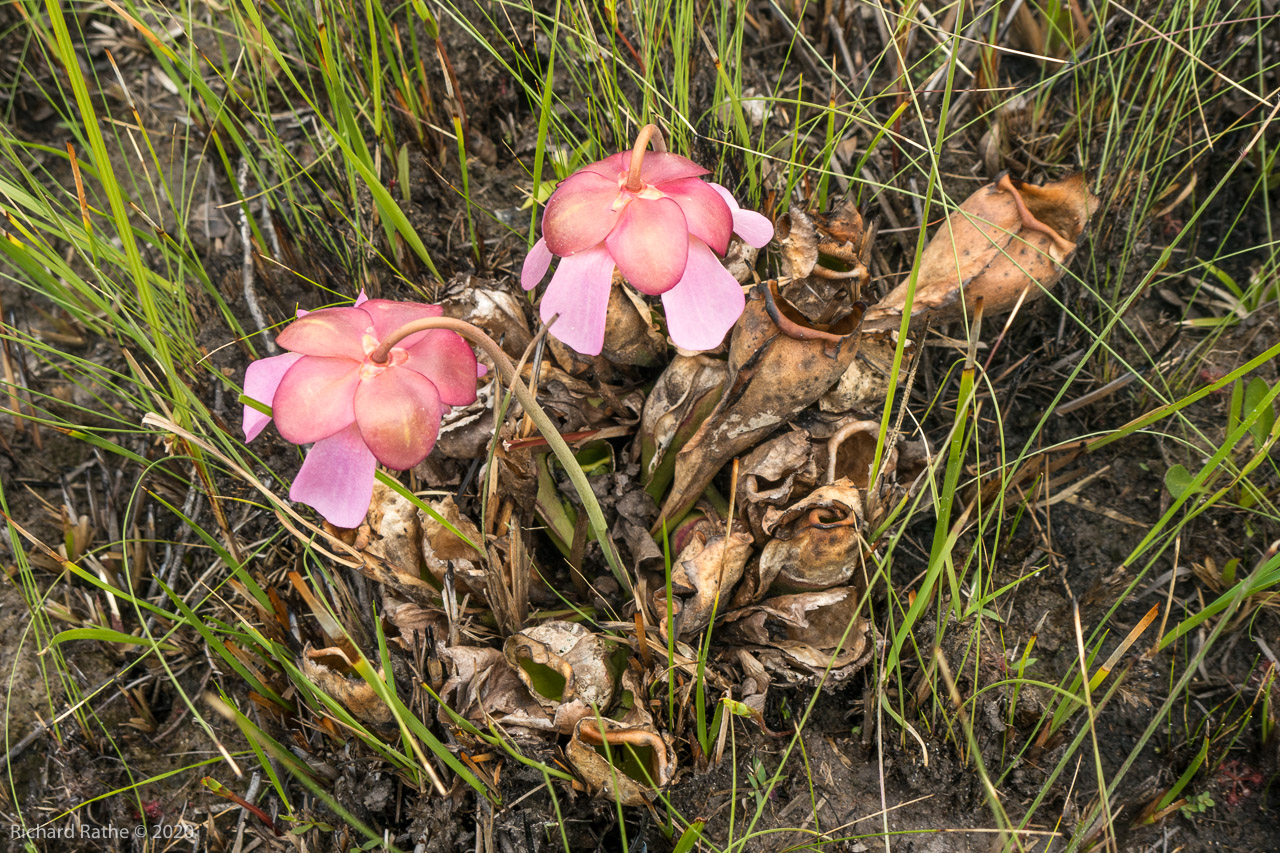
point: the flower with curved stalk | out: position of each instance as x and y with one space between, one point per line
653 218
357 411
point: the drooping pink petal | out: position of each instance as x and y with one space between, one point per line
706 303
314 399
755 229
398 412
361 299
337 478
579 293
708 215
329 332
650 244
660 167
449 362
609 167
535 265
261 379
580 213
388 316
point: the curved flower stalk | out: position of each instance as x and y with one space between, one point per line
653 218
380 409
328 390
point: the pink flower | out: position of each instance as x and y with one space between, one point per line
327 390
662 226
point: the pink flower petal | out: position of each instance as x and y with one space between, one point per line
337 478
650 244
535 265
399 413
449 362
314 398
609 167
706 303
361 299
658 168
755 229
261 379
579 293
329 332
388 316
580 213
706 212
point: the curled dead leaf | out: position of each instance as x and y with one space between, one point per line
1005 244
333 671
630 335
565 667
481 687
626 763
802 635
816 542
771 473
442 549
779 363
680 401
703 576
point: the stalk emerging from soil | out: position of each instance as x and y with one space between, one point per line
540 419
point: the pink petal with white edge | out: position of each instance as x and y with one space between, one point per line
579 293
261 379
535 265
708 215
314 399
706 303
329 332
755 229
337 478
449 362
398 412
388 317
650 244
580 213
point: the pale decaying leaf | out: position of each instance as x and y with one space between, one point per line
333 671
772 473
630 334
1006 244
799 636
680 401
779 363
394 531
565 668
702 576
442 549
816 541
626 763
482 688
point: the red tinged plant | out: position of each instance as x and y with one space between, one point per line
653 218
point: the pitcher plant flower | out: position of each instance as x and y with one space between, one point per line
652 217
355 410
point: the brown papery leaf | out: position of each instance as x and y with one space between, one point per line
816 542
1005 244
565 667
779 363
639 759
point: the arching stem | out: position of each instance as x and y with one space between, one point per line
649 131
540 419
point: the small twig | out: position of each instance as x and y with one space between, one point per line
246 260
